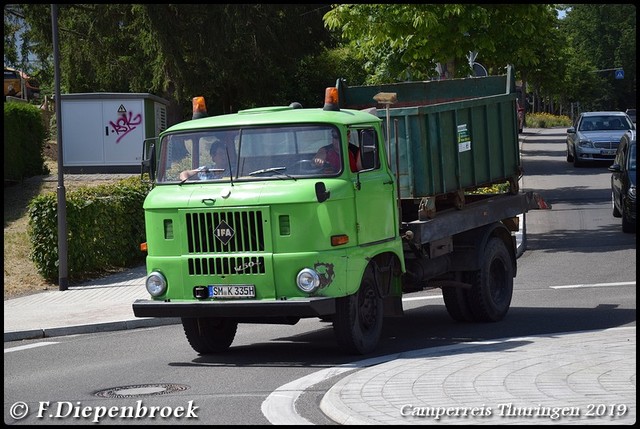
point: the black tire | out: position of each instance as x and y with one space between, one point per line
457 302
576 162
628 226
208 335
492 285
615 211
357 323
569 156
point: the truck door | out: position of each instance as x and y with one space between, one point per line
375 214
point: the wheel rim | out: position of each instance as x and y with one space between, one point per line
367 313
497 277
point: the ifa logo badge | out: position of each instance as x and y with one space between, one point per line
224 232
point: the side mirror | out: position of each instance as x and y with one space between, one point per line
149 159
615 168
322 194
571 130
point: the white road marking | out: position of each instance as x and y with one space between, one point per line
279 407
422 297
28 346
593 285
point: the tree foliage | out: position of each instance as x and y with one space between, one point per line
245 55
407 41
237 56
602 38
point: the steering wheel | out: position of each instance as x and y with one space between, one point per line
308 166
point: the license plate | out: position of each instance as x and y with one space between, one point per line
232 291
608 152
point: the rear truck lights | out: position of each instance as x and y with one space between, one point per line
307 280
156 284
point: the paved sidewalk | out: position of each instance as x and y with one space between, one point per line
579 378
99 305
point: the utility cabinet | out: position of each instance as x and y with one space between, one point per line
104 132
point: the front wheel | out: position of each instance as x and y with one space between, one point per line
492 285
357 323
615 211
628 225
569 156
208 335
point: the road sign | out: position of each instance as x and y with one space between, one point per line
620 74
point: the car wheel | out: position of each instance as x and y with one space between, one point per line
208 335
615 211
357 323
456 301
569 156
627 224
492 285
576 161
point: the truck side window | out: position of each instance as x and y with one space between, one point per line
369 155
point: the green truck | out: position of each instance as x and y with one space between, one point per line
272 228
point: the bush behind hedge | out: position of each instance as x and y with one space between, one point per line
105 226
24 138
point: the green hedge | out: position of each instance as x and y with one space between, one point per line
105 226
24 138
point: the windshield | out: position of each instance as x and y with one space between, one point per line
604 123
276 153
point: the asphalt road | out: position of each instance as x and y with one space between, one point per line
577 274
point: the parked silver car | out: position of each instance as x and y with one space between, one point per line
595 136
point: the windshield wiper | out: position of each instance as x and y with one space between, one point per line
278 170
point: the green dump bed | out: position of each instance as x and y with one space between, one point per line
451 135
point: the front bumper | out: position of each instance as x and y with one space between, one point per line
238 309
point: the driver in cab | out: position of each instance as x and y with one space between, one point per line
328 156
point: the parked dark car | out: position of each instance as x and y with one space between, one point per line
623 182
596 136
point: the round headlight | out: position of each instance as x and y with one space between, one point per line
156 284
308 280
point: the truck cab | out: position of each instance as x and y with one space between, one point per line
271 235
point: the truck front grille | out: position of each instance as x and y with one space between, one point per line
225 232
226 265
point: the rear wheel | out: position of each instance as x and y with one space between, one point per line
357 323
615 211
208 335
456 301
492 285
627 224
